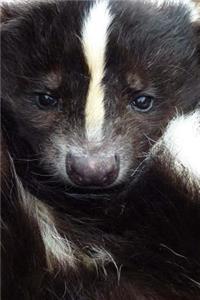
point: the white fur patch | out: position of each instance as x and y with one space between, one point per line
58 249
94 41
182 139
189 4
59 252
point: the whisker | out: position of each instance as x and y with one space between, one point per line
42 175
150 140
197 283
139 166
173 251
27 159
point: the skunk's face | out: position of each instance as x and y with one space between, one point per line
91 85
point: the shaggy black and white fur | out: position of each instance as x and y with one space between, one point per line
137 238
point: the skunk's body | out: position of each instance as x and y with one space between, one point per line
84 216
143 245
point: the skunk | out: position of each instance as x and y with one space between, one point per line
100 196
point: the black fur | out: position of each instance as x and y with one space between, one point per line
149 227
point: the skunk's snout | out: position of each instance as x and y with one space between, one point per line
92 170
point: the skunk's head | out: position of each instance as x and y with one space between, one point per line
91 85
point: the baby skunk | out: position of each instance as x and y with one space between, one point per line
90 210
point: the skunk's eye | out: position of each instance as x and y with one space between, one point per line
142 103
45 101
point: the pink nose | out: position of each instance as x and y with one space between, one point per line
97 171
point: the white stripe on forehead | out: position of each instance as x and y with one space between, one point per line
189 4
94 40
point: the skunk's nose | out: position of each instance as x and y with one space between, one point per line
92 171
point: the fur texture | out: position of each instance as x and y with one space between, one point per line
139 237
